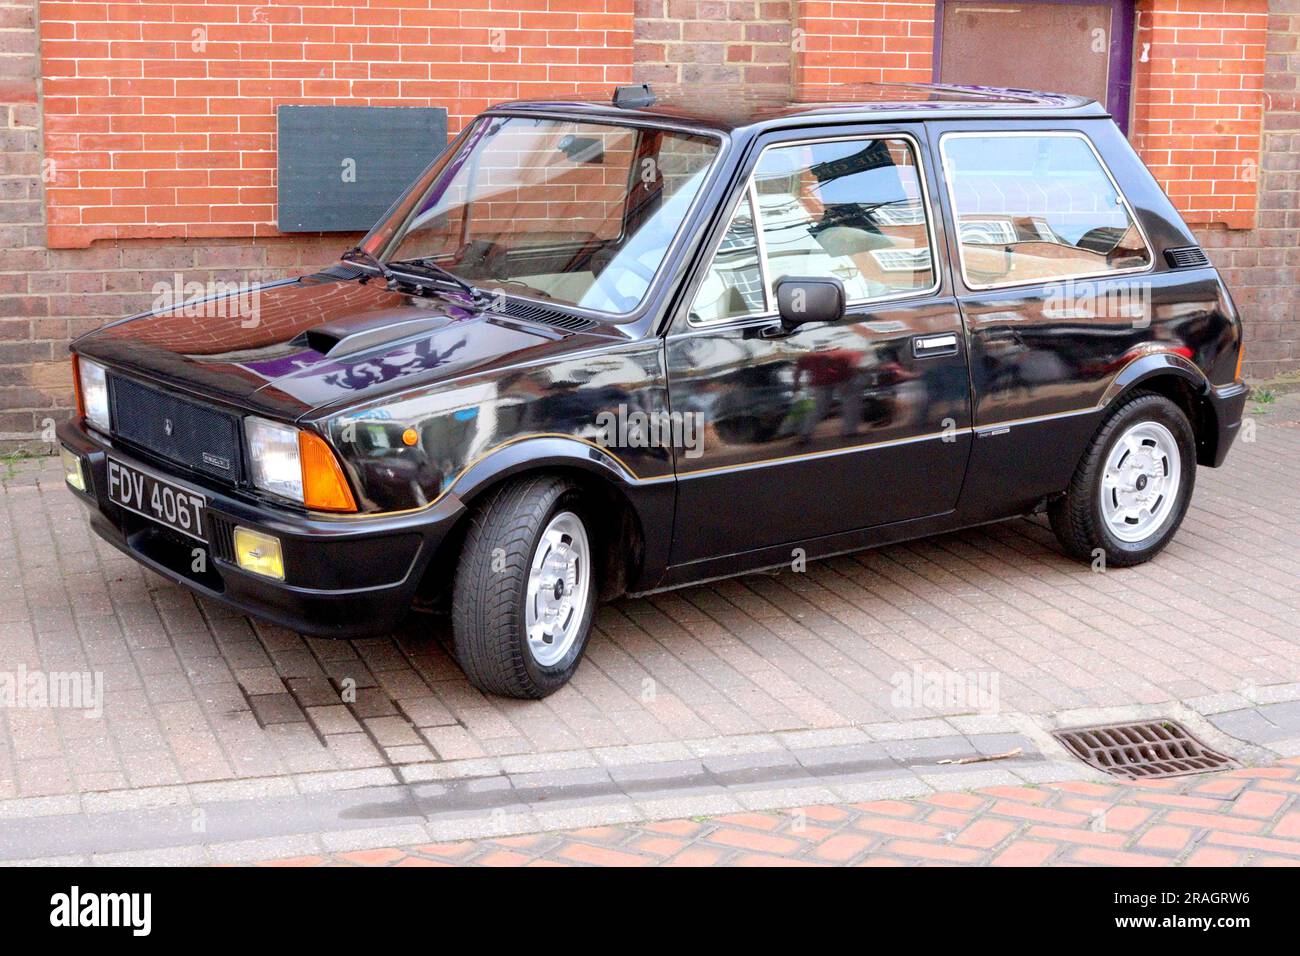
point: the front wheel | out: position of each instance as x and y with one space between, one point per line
1132 487
525 589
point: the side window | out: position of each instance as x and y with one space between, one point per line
1036 207
851 208
733 286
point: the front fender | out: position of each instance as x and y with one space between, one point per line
587 414
652 499
405 451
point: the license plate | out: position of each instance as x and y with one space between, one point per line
156 499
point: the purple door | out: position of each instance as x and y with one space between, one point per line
1060 46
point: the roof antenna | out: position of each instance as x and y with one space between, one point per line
634 97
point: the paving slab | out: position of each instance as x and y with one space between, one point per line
763 685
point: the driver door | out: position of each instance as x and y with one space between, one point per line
835 426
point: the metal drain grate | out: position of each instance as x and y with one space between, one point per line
1140 751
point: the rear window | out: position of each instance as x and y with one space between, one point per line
1037 207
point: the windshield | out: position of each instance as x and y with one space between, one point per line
577 213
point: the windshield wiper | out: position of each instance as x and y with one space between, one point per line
475 294
356 252
394 281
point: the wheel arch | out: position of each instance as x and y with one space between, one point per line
626 506
1179 380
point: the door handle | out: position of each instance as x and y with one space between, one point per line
928 346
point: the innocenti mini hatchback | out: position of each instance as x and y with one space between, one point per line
603 348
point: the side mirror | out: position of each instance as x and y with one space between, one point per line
801 299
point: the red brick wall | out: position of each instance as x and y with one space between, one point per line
1262 265
863 42
160 119
694 43
1198 80
1198 101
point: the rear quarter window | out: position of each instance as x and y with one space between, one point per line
1037 207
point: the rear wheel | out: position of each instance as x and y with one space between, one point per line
1131 489
525 589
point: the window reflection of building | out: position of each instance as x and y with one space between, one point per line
987 232
1037 207
733 285
902 260
738 262
849 210
904 212
846 208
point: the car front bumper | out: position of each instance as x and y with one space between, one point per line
344 576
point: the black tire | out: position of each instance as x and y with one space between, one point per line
490 588
1076 516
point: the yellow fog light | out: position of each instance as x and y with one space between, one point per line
72 472
259 553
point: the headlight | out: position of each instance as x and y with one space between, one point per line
296 464
93 390
274 461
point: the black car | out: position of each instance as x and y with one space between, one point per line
605 348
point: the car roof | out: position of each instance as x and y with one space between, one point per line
727 109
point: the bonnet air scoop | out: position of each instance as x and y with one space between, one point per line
334 339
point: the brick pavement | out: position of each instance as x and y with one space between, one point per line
1248 817
197 695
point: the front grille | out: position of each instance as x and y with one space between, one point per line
1153 748
202 439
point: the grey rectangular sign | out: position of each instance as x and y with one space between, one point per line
341 167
